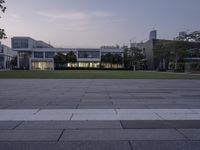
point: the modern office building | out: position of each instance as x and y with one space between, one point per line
6 55
153 51
38 55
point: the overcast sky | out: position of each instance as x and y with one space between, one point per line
92 23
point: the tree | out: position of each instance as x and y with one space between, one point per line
191 37
108 58
133 57
162 52
3 9
71 57
179 52
117 59
60 60
171 51
14 61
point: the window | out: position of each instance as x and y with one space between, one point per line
24 59
105 53
38 54
49 54
88 54
20 43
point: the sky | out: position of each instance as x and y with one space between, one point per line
93 23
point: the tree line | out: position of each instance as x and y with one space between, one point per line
131 59
2 9
172 55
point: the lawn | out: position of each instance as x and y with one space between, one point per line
91 74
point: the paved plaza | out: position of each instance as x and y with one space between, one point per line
99 114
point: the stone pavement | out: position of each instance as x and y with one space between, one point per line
99 114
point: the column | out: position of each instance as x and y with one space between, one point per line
18 65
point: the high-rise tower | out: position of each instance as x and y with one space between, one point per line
153 35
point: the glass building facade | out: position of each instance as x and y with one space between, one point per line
42 65
38 55
24 59
88 54
49 54
20 43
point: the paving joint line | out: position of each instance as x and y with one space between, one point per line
159 116
77 106
37 111
17 125
121 124
183 134
116 111
61 135
71 117
129 142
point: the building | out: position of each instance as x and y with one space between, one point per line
6 55
153 35
182 34
154 51
38 55
190 37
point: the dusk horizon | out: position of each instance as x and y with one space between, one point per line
96 23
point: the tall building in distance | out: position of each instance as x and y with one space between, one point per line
190 37
153 35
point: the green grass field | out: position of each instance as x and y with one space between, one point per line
91 74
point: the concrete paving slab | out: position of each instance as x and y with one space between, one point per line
180 116
99 114
67 91
59 107
135 111
192 134
116 117
30 135
196 110
54 125
131 106
96 103
75 111
165 145
8 125
34 117
63 103
25 107
18 112
161 124
167 106
55 111
140 124
158 111
119 134
95 111
29 146
98 145
97 106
